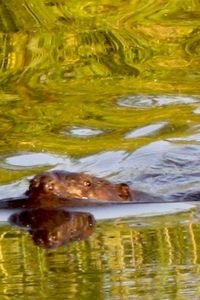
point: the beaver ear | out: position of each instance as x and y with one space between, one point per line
34 182
124 191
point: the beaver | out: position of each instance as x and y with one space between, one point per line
49 192
69 189
70 185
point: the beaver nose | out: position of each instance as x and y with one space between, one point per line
40 184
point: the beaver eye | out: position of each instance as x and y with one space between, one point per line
49 186
87 183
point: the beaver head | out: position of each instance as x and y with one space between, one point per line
77 185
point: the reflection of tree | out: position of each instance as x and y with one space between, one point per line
61 40
192 43
66 55
8 22
160 256
78 49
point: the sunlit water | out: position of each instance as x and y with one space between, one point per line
110 89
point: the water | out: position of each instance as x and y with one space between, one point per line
110 89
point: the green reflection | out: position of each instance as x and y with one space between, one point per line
65 64
49 42
41 121
158 260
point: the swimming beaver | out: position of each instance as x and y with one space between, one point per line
49 192
65 189
67 185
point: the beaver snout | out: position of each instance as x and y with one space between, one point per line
41 184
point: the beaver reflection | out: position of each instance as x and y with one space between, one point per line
51 228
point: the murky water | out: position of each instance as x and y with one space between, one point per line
110 89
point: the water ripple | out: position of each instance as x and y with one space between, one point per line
153 101
82 132
146 130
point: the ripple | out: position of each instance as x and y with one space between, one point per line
159 167
32 160
191 138
104 163
192 135
153 101
100 9
162 167
146 130
197 111
82 132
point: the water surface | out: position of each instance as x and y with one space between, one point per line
110 89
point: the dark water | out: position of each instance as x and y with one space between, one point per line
110 89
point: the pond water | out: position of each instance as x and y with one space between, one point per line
110 89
